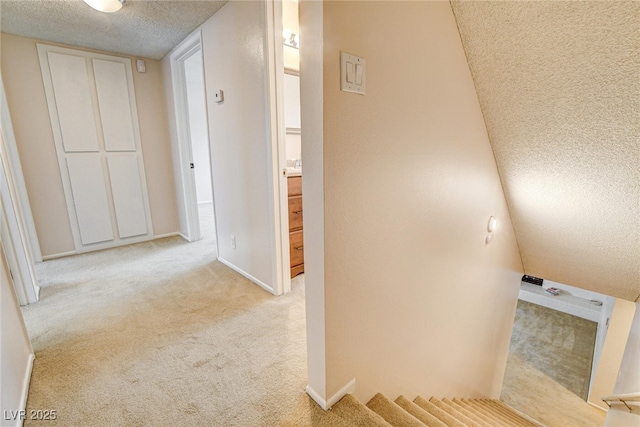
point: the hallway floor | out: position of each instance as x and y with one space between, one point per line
536 394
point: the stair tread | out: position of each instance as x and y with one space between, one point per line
357 414
469 414
486 419
506 417
495 418
437 412
392 413
454 413
523 419
425 417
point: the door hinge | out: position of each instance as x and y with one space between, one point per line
191 165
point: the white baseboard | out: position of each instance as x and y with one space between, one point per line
596 406
162 236
350 387
25 386
247 275
70 253
60 255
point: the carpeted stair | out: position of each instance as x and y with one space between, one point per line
381 411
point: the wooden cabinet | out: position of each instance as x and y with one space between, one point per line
296 241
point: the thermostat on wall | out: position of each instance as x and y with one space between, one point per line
140 66
218 95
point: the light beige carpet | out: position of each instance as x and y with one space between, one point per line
556 343
158 334
536 394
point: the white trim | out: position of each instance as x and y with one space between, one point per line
15 240
349 388
26 382
165 235
13 160
597 407
190 46
59 255
274 76
71 253
247 275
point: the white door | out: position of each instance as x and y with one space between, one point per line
93 116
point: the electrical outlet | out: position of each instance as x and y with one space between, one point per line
233 241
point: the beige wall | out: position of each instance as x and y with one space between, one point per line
27 103
290 22
16 354
614 344
416 302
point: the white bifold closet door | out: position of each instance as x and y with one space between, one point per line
94 120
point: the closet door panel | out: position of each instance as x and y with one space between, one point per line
73 102
88 188
115 107
127 195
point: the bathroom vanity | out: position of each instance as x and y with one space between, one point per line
296 245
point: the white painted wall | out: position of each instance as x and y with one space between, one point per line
238 137
612 352
292 115
198 125
415 301
16 354
628 379
311 89
290 22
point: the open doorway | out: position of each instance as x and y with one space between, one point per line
193 140
293 134
199 139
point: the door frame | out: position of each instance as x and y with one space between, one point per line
13 162
14 228
192 45
274 70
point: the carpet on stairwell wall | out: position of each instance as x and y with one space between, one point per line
558 344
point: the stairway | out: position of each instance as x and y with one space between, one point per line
381 411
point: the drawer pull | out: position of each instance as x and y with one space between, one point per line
298 212
301 248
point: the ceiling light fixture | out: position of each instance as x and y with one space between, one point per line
107 6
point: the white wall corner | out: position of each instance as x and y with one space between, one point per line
349 388
247 275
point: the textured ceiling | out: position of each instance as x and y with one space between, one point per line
559 87
147 29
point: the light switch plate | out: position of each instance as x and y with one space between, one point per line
355 80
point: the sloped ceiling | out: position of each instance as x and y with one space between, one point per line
559 86
148 29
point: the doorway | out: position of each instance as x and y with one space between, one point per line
193 139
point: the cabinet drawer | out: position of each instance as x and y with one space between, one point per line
295 212
294 185
298 269
296 248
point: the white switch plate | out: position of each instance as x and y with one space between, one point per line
355 80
